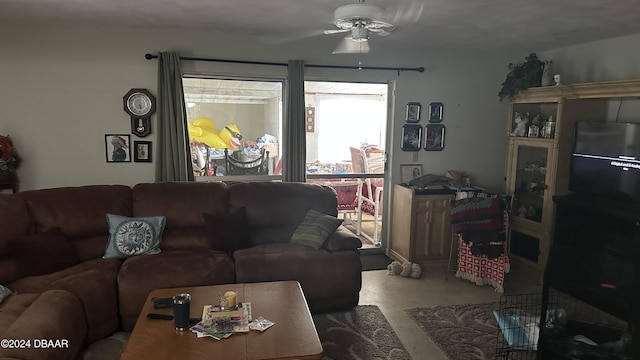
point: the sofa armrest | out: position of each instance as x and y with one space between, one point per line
343 239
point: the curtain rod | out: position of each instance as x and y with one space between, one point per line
399 69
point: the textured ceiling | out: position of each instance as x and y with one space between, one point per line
473 24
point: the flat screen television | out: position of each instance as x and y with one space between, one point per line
606 160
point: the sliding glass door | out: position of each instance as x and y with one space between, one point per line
346 137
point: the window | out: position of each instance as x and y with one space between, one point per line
242 118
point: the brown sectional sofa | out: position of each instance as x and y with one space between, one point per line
71 292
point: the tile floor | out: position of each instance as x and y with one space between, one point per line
394 294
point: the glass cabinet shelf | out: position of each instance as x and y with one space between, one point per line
530 182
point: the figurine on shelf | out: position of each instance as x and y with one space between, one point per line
549 128
522 211
521 125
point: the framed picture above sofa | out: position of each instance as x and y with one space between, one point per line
117 148
142 151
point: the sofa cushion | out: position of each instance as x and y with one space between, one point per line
79 212
315 229
52 315
329 280
275 210
93 282
133 236
343 239
182 203
15 220
43 253
228 231
139 275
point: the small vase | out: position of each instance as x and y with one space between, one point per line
547 78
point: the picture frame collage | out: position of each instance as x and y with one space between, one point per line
431 138
118 148
140 105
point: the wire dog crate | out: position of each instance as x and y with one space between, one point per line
518 316
569 325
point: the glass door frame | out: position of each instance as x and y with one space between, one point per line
383 242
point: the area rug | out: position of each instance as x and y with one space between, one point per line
463 332
374 261
362 333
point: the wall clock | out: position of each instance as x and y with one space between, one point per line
140 104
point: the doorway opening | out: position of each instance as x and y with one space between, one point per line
346 135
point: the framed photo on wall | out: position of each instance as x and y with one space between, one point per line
411 137
409 172
142 151
435 112
413 112
434 138
117 148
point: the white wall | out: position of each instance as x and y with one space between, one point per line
608 60
613 59
62 89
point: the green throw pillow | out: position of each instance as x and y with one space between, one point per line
133 236
315 229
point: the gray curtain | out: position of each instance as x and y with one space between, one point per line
295 146
172 146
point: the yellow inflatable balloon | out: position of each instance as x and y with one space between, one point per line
203 130
231 135
204 123
194 131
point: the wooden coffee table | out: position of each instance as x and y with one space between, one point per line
293 336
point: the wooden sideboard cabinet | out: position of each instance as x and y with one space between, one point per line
421 225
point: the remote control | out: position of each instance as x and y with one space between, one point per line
170 317
162 303
159 316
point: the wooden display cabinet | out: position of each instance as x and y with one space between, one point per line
421 225
537 167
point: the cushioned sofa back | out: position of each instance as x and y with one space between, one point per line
182 203
14 218
80 212
274 210
14 222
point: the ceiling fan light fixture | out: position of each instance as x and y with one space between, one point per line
360 34
348 46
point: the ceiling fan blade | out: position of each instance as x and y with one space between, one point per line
285 38
383 32
406 13
335 31
348 46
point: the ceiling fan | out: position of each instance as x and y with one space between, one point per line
359 20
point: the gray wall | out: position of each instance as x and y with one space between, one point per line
62 89
608 60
